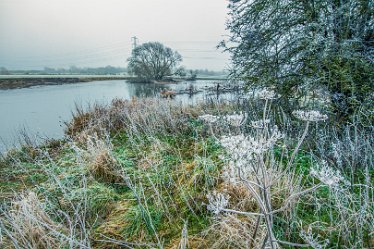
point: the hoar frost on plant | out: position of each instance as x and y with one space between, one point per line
217 202
311 116
313 240
235 119
208 118
260 124
336 152
240 145
242 151
267 94
327 175
232 169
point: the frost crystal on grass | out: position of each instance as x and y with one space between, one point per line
327 175
311 116
208 118
217 202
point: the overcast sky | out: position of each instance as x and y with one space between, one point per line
62 33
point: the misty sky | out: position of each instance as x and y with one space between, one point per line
62 33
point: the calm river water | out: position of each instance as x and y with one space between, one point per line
42 110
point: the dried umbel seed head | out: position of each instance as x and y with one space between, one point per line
217 202
310 116
208 118
314 240
239 146
327 175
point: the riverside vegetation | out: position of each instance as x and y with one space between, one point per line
147 173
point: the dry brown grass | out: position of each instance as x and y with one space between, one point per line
100 161
113 227
30 226
105 168
240 197
233 231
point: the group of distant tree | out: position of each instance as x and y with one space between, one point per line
151 61
4 71
71 70
180 72
154 61
86 70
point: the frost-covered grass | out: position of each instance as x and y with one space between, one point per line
151 174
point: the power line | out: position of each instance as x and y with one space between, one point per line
134 40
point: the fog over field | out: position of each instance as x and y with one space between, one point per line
92 33
180 124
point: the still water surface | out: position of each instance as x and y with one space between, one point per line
42 110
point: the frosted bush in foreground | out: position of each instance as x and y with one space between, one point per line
251 163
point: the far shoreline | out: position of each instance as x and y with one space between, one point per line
10 82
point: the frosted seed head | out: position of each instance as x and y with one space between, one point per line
311 116
217 202
235 119
327 175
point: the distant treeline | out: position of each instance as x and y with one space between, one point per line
71 70
206 72
98 71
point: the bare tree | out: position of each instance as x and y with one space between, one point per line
153 61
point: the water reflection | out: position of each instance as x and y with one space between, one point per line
146 90
43 109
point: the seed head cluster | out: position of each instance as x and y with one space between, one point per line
311 116
217 202
327 175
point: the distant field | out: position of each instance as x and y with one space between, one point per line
24 81
23 76
109 76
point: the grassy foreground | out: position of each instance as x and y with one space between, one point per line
150 174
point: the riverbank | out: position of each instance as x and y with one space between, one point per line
148 173
25 81
17 82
